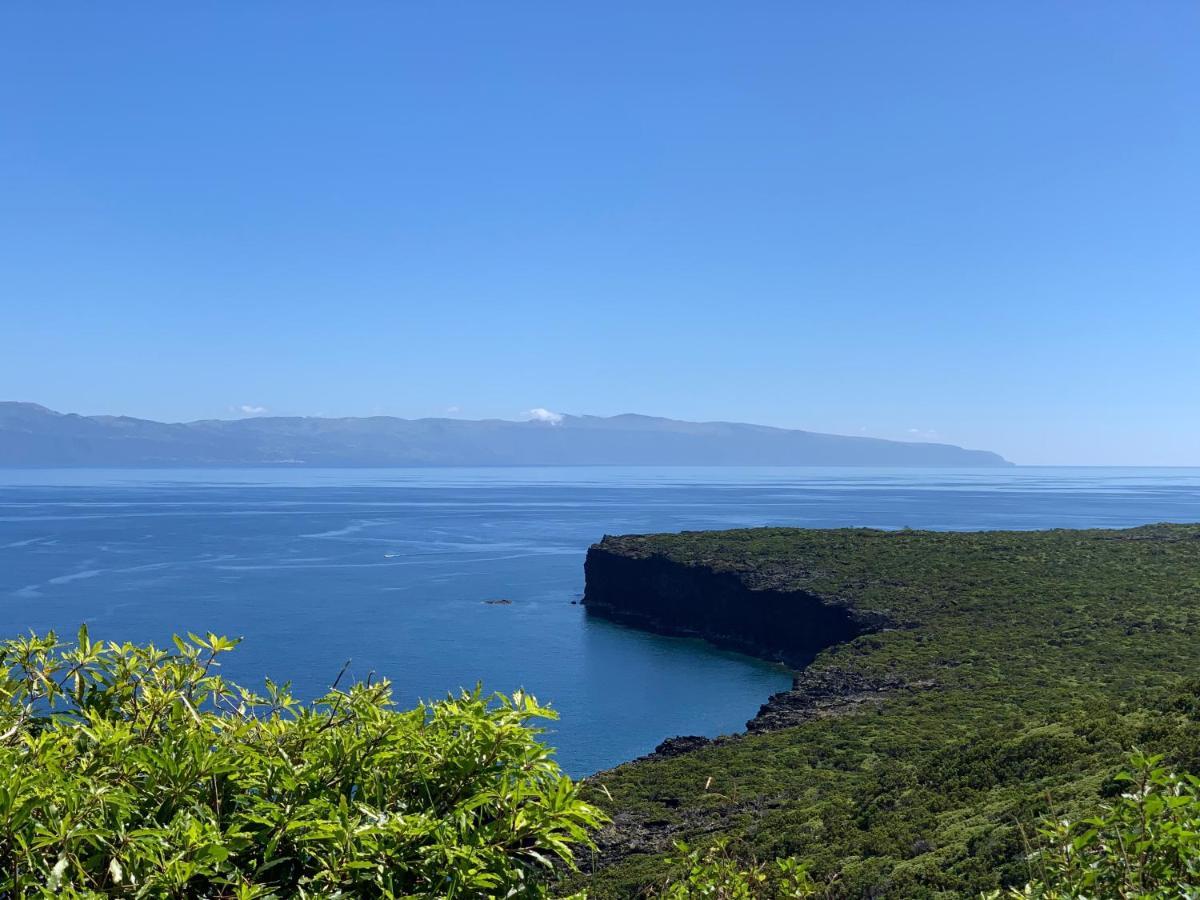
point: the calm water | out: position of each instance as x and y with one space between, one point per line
390 568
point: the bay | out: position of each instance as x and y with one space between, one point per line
392 569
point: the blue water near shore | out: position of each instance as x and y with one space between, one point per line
391 568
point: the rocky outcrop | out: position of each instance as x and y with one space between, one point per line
815 694
744 612
819 693
678 746
663 595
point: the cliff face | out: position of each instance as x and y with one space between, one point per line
659 594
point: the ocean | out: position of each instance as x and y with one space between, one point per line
392 569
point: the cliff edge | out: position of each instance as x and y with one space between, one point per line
629 583
765 613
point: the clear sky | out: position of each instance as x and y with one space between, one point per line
970 222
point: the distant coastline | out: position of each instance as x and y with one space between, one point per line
34 436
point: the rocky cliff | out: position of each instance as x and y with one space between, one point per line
738 610
627 584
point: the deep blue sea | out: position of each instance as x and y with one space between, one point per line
391 568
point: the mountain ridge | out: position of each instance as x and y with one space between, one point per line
34 435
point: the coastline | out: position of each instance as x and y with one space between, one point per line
956 686
757 614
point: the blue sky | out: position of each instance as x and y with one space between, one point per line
977 223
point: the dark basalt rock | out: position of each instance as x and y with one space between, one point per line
677 746
749 612
826 692
659 594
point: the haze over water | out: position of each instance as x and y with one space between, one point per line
391 568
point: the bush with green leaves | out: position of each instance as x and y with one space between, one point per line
137 772
715 873
1145 844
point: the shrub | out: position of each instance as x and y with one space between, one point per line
714 873
1145 844
132 771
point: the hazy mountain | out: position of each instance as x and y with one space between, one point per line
31 435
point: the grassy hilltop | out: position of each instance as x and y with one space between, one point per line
1007 677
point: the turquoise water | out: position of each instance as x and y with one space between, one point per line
391 568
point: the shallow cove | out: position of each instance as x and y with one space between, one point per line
391 568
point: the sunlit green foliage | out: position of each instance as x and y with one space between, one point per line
715 873
133 771
1145 844
1142 845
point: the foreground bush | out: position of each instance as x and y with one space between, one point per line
1145 844
131 771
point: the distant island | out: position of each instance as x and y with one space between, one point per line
32 435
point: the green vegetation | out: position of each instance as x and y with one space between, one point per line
716 874
1013 674
131 771
1145 844
1020 667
